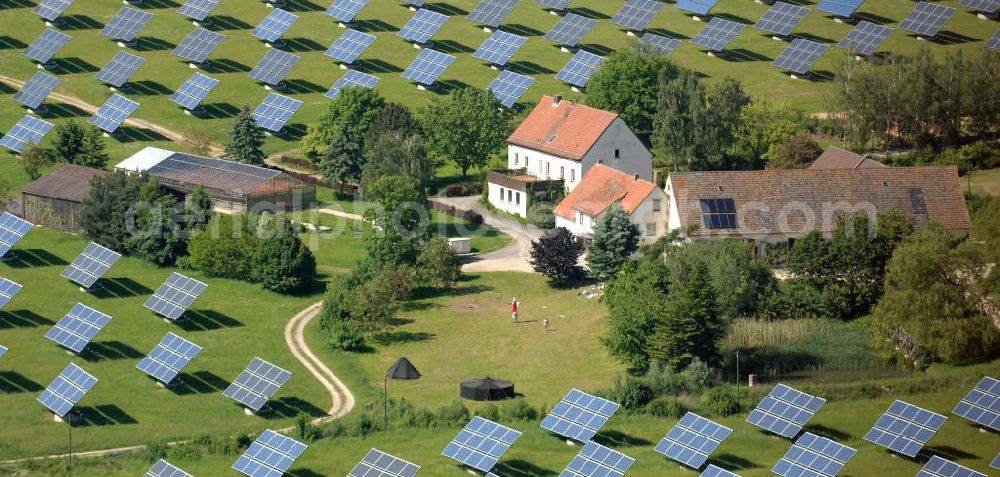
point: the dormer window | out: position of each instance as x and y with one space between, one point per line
551 138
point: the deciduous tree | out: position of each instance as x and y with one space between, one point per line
468 127
628 84
556 253
356 107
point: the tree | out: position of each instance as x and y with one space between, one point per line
393 154
35 159
199 208
105 212
68 142
438 263
281 262
225 248
636 300
400 218
748 283
628 84
342 162
198 141
356 107
92 153
615 240
5 191
763 128
393 118
797 152
556 253
468 126
372 306
245 140
156 238
691 328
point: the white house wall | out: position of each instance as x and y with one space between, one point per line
644 215
510 206
536 163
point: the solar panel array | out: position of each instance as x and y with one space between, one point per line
163 468
579 415
558 5
275 111
492 12
274 66
175 296
75 330
91 264
198 45
926 19
113 113
692 440
580 68
994 42
121 67
982 404
840 8
785 410
812 455
275 25
781 18
510 86
718 213
800 55
428 66
51 9
379 464
257 383
713 471
352 79
985 6
198 10
905 428
422 27
350 46
481 444
635 15
270 455
938 467
717 34
67 390
12 230
168 358
46 45
8 290
28 130
499 48
661 44
126 24
698 7
194 90
865 38
595 460
571 29
36 90
346 10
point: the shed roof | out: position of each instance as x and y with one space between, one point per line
837 158
562 128
68 182
601 187
187 168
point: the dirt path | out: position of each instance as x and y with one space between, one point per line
516 256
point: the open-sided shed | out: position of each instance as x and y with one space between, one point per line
55 199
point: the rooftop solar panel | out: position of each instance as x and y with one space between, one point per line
926 19
198 10
91 264
198 45
46 46
781 18
692 440
8 290
271 455
985 6
72 384
713 471
698 7
905 428
840 8
422 27
580 68
481 444
78 327
785 410
571 29
595 460
813 455
579 415
275 25
661 44
257 383
938 467
126 24
194 91
346 10
800 56
120 68
380 464
163 468
175 296
350 46
492 12
274 66
28 130
994 42
12 230
982 404
36 90
717 34
510 86
51 9
635 15
557 5
168 358
499 48
865 38
428 66
275 111
352 79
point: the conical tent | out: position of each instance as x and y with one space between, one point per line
402 369
488 389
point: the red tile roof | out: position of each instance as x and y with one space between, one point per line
837 158
563 129
602 187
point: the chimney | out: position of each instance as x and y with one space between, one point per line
600 161
556 102
636 177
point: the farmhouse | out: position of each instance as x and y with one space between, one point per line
55 199
604 186
837 158
233 187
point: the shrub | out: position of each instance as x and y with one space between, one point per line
630 393
518 410
540 215
455 190
155 451
453 413
722 402
345 337
666 407
472 217
438 263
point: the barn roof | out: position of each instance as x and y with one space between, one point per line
68 182
190 169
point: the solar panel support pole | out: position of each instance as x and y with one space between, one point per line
701 18
988 16
57 23
848 20
385 400
202 23
127 44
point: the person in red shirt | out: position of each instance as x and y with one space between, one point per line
513 315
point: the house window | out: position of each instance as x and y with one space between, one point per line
656 205
539 167
517 198
515 158
547 164
572 175
618 153
651 229
562 172
579 218
510 193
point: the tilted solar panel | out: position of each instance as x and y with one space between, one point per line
661 44
350 46
3 350
197 46
784 410
500 47
579 415
492 12
698 7
168 358
194 91
713 471
905 428
595 460
77 328
800 55
275 111
92 263
428 66
8 290
175 296
994 42
51 9
198 10
814 455
635 15
422 27
271 455
380 464
558 5
12 229
163 468
46 45
996 462
481 444
840 8
938 467
985 6
121 67
72 384
28 130
865 38
352 79
982 404
275 25
126 24
580 68
346 10
415 3
692 440
571 29
927 18
510 86
274 66
36 90
717 34
781 18
257 383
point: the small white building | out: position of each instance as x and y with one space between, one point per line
604 186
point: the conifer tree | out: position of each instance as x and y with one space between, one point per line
692 327
245 140
614 241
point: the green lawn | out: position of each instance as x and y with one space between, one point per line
984 182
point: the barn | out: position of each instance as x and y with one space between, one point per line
55 199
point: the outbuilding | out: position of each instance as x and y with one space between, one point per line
55 199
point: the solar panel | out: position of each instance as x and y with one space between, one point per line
352 79
274 66
8 290
379 464
126 24
3 350
163 468
428 67
905 428
198 10
926 19
580 68
175 296
994 43
346 10
168 358
275 25
500 47
996 462
938 467
595 460
784 410
275 111
865 38
92 263
270 455
75 330
67 390
481 444
257 383
985 6
982 404
813 455
636 14
51 9
28 130
698 7
12 229
34 92
719 214
692 440
661 44
492 12
571 29
350 46
510 86
840 8
718 33
558 5
422 26
198 45
781 18
415 3
46 45
713 471
193 91
121 67
113 113
800 56
579 415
